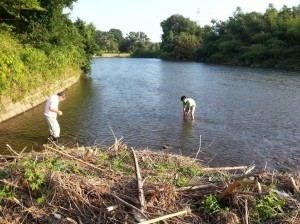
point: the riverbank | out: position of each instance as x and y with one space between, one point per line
120 185
111 55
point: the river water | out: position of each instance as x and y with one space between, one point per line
244 115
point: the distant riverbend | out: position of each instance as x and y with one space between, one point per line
243 115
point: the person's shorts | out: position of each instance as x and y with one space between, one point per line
192 108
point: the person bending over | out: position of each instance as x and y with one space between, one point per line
189 106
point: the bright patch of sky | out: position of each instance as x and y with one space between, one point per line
146 15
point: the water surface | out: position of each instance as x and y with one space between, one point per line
243 115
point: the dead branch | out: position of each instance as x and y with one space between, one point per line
126 203
78 160
223 168
140 182
204 186
166 217
10 148
248 175
294 185
230 188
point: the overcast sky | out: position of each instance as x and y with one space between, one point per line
146 15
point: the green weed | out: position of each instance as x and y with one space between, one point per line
102 158
211 205
267 208
6 192
33 174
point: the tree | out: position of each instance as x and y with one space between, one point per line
180 32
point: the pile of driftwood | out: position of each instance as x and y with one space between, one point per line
75 187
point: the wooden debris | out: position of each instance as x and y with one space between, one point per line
140 182
248 175
230 189
294 185
166 217
224 168
89 154
204 186
126 204
73 158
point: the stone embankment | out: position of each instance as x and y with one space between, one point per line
9 109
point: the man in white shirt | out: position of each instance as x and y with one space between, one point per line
51 112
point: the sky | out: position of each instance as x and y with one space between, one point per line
146 15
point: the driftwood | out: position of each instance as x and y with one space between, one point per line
140 182
126 203
294 185
204 186
224 168
166 217
230 188
248 175
74 158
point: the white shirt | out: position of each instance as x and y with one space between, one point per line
51 102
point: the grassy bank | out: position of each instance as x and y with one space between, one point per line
70 185
24 68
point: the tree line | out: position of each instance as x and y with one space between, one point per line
38 41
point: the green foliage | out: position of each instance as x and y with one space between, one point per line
190 170
182 181
210 204
254 39
33 174
6 192
267 208
102 158
181 38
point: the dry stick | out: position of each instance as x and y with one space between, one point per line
140 181
199 148
246 212
248 175
294 184
204 186
9 157
127 204
166 217
224 168
258 187
14 152
74 158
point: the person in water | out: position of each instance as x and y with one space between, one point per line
51 112
189 106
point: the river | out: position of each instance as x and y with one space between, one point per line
244 115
